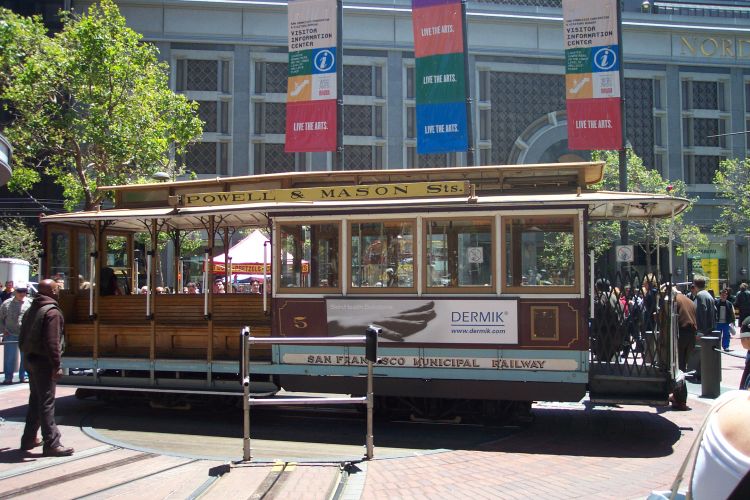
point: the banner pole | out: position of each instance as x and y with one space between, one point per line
339 155
623 157
467 80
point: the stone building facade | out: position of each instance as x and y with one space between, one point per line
687 89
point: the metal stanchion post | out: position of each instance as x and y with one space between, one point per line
245 370
371 354
710 366
370 439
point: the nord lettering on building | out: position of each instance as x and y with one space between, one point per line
712 46
328 193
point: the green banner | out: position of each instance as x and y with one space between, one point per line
578 61
300 63
441 78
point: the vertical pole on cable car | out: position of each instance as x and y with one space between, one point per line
245 371
227 284
371 355
151 297
177 261
265 274
467 89
339 154
210 296
97 293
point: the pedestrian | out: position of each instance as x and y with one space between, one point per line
705 315
724 317
40 340
687 328
742 302
11 312
7 292
745 338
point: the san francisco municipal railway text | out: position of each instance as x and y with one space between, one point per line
426 362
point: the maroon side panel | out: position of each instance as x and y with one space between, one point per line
299 318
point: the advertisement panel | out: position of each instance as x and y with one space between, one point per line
592 74
442 124
312 80
427 321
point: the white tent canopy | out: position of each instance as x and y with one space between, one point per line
250 250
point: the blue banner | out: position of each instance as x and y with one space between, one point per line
441 128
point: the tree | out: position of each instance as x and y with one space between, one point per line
19 241
650 234
91 106
732 181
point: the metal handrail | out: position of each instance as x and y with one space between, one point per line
247 401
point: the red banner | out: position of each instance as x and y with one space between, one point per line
438 30
594 124
311 126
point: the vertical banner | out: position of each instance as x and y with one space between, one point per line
311 83
592 74
440 76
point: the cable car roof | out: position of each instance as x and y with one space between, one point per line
600 205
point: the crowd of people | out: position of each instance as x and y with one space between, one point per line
626 322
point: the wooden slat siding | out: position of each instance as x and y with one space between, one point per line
181 309
181 329
125 340
181 341
67 303
122 310
239 309
227 343
80 310
79 339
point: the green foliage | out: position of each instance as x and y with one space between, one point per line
92 104
647 234
19 241
557 257
732 182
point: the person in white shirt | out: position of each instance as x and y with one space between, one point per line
11 312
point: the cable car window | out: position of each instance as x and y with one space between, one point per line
540 252
308 255
382 254
60 265
459 253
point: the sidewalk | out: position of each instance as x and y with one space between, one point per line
573 450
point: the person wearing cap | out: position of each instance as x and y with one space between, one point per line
11 313
41 341
7 292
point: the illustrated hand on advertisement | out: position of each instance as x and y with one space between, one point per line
395 328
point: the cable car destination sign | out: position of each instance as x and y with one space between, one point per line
329 193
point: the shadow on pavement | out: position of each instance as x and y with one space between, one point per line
593 433
285 425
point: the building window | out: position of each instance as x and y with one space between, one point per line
437 160
700 169
207 158
209 75
207 80
705 121
271 159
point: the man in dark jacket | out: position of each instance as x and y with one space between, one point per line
685 309
724 317
40 338
742 302
705 316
